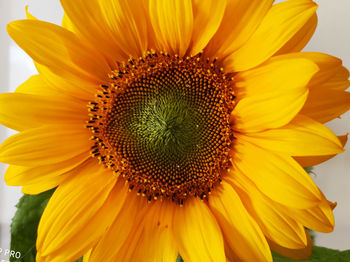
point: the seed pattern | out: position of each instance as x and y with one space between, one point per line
162 124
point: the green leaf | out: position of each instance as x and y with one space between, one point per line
179 259
309 169
25 223
320 254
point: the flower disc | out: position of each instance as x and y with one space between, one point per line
163 124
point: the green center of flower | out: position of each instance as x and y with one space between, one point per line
163 125
167 125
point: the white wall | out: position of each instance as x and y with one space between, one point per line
332 36
4 42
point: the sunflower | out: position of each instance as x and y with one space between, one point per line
175 127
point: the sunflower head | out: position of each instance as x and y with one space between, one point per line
201 118
163 124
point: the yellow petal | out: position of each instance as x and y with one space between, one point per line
21 175
36 85
79 212
271 95
87 256
130 246
278 176
88 20
127 22
281 23
319 218
275 225
301 38
324 105
172 22
153 241
326 99
29 15
45 145
122 229
295 254
241 231
207 18
329 66
23 111
307 161
78 88
59 49
332 75
339 81
241 18
51 84
197 233
230 254
67 23
301 137
37 188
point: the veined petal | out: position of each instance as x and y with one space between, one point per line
278 176
59 49
87 19
319 218
281 23
45 145
49 83
67 23
271 95
207 19
78 88
153 241
22 175
276 69
324 104
126 252
79 212
326 99
122 229
339 81
86 257
307 161
241 18
36 85
37 188
301 38
301 137
197 233
275 225
128 22
172 22
296 254
241 231
29 15
329 66
230 254
23 111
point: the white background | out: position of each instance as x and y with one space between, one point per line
332 37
